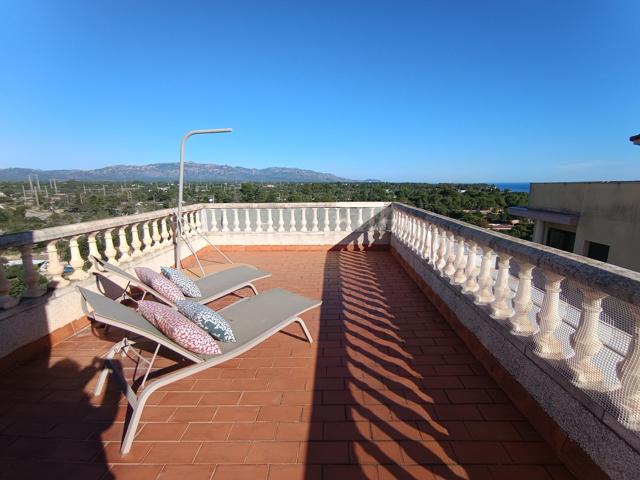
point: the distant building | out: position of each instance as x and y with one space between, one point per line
600 220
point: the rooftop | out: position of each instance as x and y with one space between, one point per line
388 390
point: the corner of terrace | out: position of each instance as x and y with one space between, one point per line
442 350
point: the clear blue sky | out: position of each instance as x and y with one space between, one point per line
398 91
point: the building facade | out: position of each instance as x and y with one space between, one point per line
600 220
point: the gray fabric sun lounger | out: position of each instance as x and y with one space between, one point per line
212 287
253 319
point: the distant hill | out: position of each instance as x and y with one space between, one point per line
168 172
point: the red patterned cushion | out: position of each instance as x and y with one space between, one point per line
179 328
159 283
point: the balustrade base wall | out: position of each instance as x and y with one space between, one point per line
591 445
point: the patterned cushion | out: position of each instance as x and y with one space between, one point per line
178 328
160 284
184 283
208 319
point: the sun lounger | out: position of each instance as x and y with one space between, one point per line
253 319
213 286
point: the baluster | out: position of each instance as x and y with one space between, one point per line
371 223
420 239
426 249
147 241
186 228
164 231
347 227
484 294
270 220
522 303
586 343
435 244
190 226
280 220
30 275
628 371
193 223
236 221
314 220
325 227
136 244
360 220
123 248
247 221
225 222
55 269
198 221
109 250
413 234
546 343
501 305
449 268
76 261
213 227
6 300
303 219
93 250
471 270
292 220
156 234
261 226
459 276
338 221
442 250
402 227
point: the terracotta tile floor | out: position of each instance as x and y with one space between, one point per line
387 391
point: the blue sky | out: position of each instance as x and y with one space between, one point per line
400 91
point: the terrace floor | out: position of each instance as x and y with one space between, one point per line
387 391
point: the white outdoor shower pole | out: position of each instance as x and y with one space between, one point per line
181 186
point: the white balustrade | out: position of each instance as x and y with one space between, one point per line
347 226
155 234
55 268
303 219
136 244
546 343
76 260
484 293
325 227
522 303
449 268
280 220
225 221
471 269
628 371
459 276
30 276
435 245
123 247
92 241
165 233
442 250
360 221
426 249
270 221
247 221
110 250
501 305
338 221
292 220
314 220
236 220
147 241
586 342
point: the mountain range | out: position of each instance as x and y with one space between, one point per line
168 172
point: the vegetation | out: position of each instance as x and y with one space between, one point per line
478 204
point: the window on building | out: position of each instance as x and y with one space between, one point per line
597 251
561 239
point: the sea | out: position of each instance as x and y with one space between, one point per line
514 187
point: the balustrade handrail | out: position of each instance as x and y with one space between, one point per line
291 205
615 281
65 231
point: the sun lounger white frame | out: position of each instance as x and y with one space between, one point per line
112 313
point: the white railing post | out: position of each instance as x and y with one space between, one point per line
449 268
435 245
76 260
325 227
136 244
546 343
6 300
338 221
156 234
471 270
522 303
484 293
92 241
247 221
347 226
165 234
123 247
270 221
55 269
225 221
501 306
314 220
280 220
459 276
586 342
109 249
360 221
236 220
292 220
303 219
147 241
426 249
31 275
